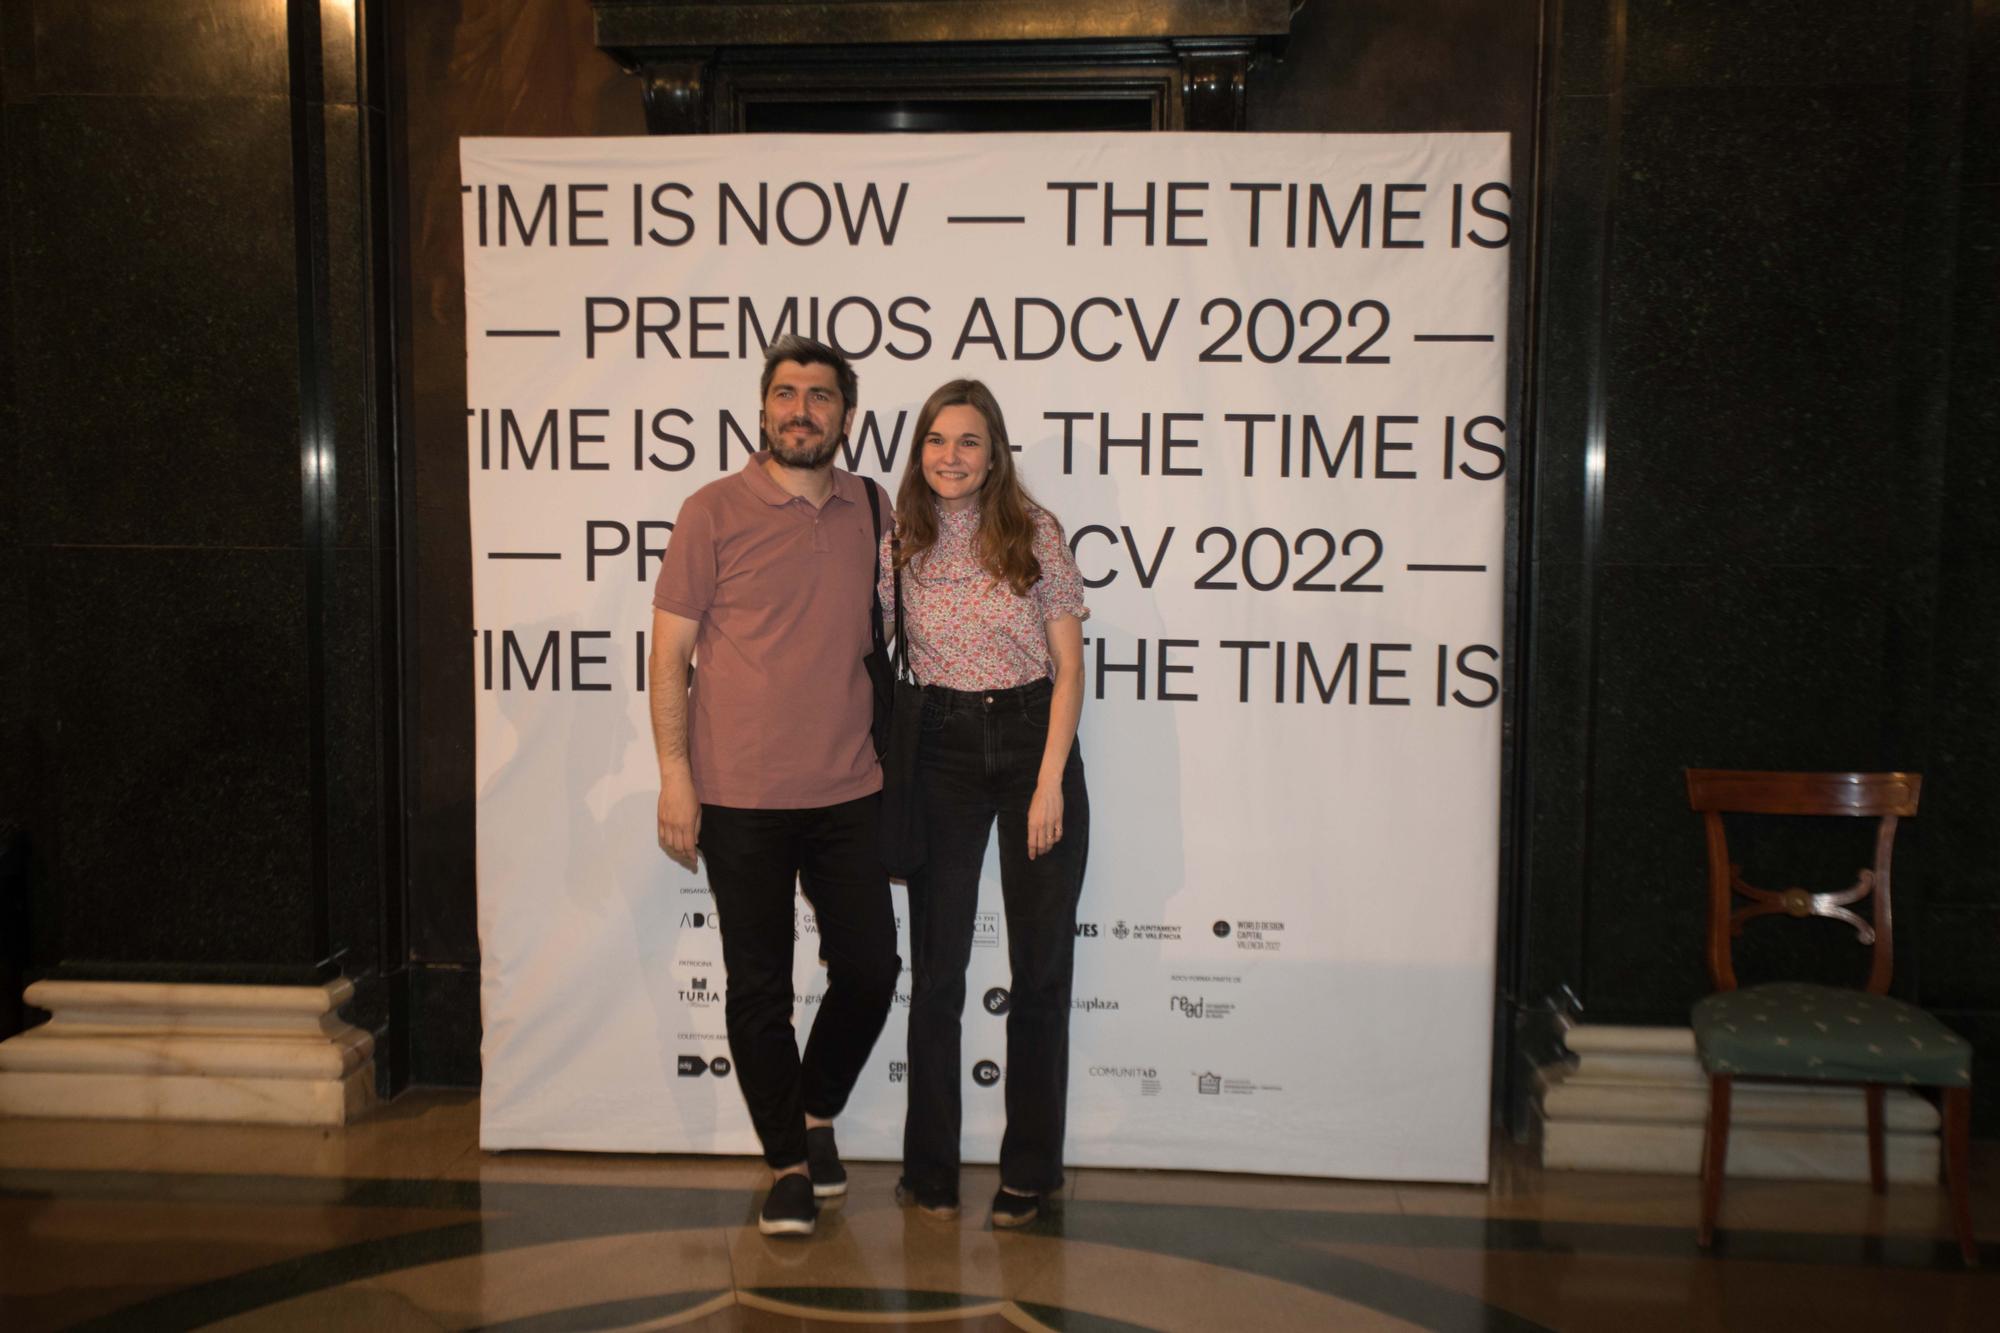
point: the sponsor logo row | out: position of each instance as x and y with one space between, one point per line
1249 936
998 1001
1145 1080
698 994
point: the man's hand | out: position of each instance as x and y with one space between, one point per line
680 817
667 686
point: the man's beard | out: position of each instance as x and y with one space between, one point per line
805 457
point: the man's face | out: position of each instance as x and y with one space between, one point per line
804 419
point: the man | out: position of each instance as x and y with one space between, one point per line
767 769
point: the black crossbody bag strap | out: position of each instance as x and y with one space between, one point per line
875 554
902 659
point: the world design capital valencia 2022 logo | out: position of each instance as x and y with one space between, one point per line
1252 936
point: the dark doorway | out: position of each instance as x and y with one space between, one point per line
998 115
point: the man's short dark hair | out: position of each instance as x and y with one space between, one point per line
806 352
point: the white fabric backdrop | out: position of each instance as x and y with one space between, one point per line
1285 960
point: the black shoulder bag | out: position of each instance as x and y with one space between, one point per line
899 706
879 674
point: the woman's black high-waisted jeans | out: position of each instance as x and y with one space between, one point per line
981 754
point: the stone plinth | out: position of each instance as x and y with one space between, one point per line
157 1051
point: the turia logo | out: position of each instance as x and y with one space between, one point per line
986 1073
698 993
996 1000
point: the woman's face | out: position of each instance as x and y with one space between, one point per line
958 456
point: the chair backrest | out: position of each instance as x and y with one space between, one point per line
1886 797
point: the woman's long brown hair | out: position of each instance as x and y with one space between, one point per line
1006 518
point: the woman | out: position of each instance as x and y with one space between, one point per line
993 613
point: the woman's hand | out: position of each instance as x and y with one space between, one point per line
1045 812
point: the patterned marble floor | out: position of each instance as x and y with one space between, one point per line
400 1222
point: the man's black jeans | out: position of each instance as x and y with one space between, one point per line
981 754
754 857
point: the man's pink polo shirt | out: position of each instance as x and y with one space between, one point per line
779 714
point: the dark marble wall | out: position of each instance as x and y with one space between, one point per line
1957 944
17 762
1765 352
192 695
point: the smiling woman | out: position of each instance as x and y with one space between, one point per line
957 456
993 622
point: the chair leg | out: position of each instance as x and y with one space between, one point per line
1958 1168
1878 1179
1714 1157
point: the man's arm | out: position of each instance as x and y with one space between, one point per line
666 684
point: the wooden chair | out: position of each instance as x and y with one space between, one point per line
1821 1034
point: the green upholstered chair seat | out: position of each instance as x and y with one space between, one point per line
1793 1030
